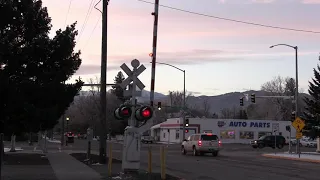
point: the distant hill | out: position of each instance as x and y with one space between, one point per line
217 103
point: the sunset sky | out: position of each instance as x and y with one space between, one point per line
219 56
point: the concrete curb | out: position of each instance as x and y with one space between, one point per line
291 158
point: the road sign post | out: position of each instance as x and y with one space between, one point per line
131 144
298 124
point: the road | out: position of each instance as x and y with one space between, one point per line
239 162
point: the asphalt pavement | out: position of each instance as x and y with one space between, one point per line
235 161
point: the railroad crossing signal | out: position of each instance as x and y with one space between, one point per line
253 98
298 124
143 114
123 112
137 70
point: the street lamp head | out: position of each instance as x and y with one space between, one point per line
67 119
271 46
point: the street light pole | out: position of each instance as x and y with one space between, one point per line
184 97
297 86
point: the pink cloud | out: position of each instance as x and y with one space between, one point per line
311 1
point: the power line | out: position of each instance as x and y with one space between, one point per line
234 20
65 21
86 19
95 26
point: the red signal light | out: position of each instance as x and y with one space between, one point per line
125 111
146 113
187 130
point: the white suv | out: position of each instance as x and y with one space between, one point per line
201 143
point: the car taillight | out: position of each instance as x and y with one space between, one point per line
199 143
72 134
219 143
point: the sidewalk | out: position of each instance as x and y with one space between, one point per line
312 157
66 167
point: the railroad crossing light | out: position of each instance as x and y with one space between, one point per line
187 123
288 128
241 101
123 112
253 98
143 114
159 105
293 116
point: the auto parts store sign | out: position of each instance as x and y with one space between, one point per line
249 124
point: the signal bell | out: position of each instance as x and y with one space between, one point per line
144 113
123 112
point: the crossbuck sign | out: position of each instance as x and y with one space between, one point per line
133 77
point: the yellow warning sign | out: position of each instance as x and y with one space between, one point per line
298 124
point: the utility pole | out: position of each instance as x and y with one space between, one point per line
103 82
154 50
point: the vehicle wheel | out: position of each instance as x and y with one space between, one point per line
260 146
214 154
195 153
183 151
280 146
254 147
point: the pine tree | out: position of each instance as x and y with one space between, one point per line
312 113
116 89
34 68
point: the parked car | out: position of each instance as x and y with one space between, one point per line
308 143
272 141
70 137
147 139
82 136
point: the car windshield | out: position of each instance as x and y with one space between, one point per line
209 137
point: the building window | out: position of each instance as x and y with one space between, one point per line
263 134
246 135
177 134
164 135
227 134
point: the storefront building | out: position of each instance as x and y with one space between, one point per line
229 130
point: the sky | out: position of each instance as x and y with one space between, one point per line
219 56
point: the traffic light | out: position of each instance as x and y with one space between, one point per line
123 112
288 128
253 98
241 101
187 131
187 123
143 114
293 116
159 105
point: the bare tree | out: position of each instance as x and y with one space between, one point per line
280 86
206 106
226 113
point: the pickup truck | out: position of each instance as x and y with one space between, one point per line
147 139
